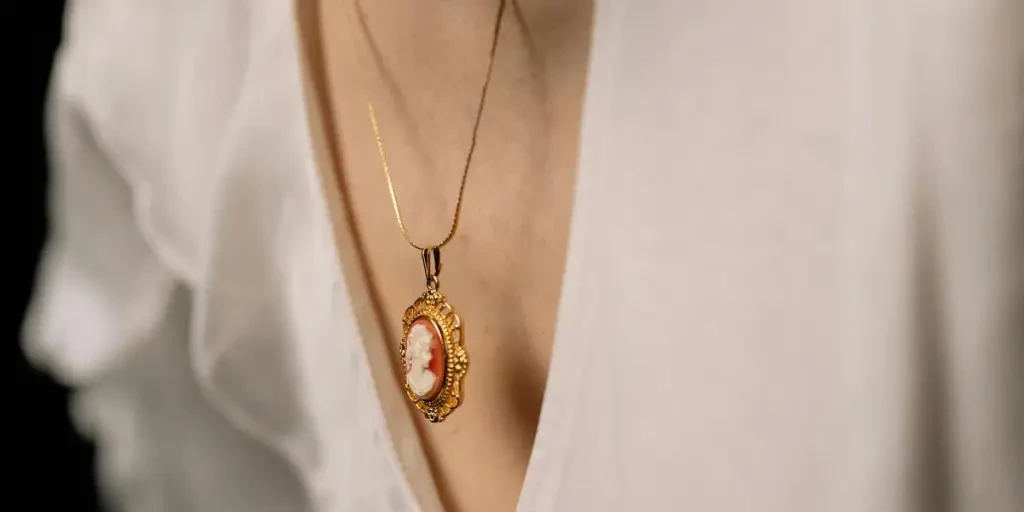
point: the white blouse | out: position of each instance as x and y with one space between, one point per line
795 278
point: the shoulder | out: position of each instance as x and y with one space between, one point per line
174 97
182 206
179 157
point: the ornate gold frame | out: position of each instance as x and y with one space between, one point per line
433 306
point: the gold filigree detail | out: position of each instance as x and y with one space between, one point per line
433 306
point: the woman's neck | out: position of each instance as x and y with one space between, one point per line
422 64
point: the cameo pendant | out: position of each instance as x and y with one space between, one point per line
433 358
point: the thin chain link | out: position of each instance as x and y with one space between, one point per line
469 156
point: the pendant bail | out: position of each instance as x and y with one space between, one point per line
432 266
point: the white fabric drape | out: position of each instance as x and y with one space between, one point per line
795 279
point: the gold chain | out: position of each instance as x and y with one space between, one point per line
469 156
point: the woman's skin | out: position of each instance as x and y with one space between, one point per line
422 65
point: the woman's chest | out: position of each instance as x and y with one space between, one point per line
501 272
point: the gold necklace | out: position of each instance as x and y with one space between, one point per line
432 351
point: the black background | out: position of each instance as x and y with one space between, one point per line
52 467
